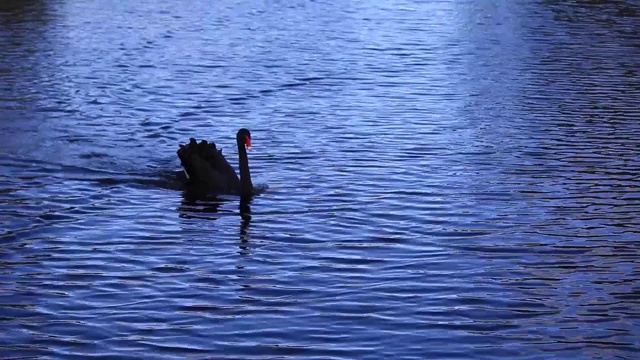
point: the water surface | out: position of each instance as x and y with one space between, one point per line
447 179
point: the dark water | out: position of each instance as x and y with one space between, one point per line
447 179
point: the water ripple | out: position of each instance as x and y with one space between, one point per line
444 180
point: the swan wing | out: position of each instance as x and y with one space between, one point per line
205 166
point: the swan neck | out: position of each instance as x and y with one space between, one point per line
246 186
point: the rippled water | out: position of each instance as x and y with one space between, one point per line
447 179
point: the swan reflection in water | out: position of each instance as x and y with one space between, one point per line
198 206
245 214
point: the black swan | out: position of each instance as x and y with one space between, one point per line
208 170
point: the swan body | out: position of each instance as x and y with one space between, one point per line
207 169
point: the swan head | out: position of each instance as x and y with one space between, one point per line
244 138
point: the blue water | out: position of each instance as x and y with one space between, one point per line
446 179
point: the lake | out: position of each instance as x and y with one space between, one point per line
445 179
